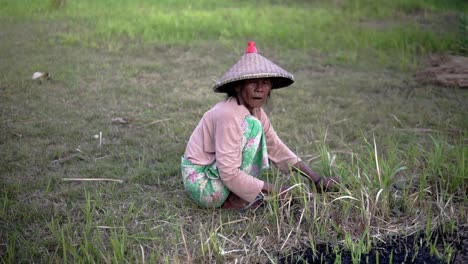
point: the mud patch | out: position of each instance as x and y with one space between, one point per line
445 71
411 249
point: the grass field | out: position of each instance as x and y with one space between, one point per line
355 111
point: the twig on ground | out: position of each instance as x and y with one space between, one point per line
286 240
79 150
92 179
340 121
429 130
155 122
189 258
109 227
142 254
268 255
16 134
223 252
225 238
66 158
231 222
103 157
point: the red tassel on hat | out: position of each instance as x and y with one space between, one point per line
251 47
253 66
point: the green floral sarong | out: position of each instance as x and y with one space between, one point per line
203 182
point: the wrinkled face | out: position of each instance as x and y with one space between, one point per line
254 92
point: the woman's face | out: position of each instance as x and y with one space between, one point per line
254 92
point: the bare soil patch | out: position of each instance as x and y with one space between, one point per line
446 70
410 249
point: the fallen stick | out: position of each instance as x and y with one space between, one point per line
430 130
92 179
109 227
189 258
62 160
155 122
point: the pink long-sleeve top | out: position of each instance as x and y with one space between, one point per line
218 138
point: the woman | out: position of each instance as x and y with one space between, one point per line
235 140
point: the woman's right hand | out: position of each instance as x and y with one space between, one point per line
328 184
281 191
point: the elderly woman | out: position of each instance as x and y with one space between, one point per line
235 140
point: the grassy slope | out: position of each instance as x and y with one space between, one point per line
118 69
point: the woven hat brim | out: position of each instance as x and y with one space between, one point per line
254 66
277 82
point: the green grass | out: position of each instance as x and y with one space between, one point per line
393 32
399 146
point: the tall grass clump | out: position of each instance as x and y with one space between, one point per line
446 167
374 197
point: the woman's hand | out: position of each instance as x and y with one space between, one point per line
327 184
281 191
321 183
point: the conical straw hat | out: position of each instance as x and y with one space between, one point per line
251 66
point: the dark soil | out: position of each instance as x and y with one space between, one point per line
410 249
446 71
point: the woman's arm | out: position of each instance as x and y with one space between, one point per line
282 156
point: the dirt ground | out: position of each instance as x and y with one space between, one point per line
397 250
445 70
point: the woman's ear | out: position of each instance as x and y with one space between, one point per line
237 88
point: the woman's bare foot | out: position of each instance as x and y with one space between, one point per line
234 202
